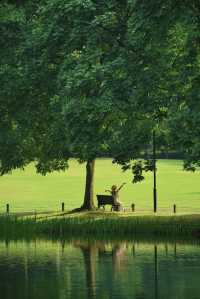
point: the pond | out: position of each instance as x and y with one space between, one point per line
43 269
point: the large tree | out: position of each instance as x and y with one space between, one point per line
88 61
93 82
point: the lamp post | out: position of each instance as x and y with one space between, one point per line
154 174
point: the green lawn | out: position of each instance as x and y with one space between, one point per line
27 191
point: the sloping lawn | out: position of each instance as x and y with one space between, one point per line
28 191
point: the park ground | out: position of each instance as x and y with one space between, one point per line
27 191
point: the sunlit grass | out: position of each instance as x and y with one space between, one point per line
28 191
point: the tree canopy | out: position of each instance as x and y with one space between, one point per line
89 78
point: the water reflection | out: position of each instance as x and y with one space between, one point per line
156 271
98 270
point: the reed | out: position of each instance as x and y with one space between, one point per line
90 224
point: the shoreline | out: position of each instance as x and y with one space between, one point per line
102 224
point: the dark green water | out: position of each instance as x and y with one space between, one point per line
120 270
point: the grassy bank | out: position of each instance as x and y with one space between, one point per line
99 224
28 191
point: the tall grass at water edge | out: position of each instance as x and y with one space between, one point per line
170 226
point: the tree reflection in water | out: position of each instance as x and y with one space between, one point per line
95 253
98 270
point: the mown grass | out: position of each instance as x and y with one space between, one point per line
28 191
100 225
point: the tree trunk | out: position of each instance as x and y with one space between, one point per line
89 186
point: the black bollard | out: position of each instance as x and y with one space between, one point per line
133 207
174 209
7 208
63 206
